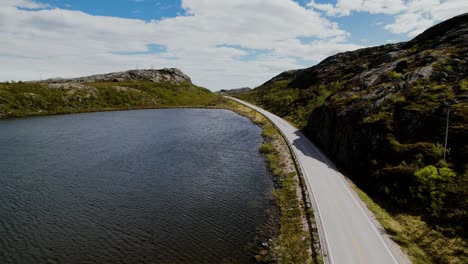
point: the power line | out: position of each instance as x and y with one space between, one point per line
446 132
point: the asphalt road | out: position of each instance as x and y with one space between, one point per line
347 229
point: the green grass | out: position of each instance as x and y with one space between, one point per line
395 75
290 103
266 148
416 203
404 120
26 99
293 243
414 48
448 68
422 243
464 85
380 116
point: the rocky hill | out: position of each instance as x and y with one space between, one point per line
236 90
134 89
381 114
170 75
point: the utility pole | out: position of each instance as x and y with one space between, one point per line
446 132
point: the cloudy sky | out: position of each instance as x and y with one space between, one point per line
219 43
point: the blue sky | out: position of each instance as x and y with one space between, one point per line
219 43
135 9
363 27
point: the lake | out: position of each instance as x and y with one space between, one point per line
144 186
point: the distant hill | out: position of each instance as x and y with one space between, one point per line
170 75
381 114
236 90
134 89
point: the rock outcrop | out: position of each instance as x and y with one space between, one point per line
170 75
134 89
381 113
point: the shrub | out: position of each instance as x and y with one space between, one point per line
448 68
266 148
432 187
395 75
464 85
438 150
414 48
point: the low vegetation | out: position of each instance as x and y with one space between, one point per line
380 114
26 99
424 196
422 242
294 243
291 244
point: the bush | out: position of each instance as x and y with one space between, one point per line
395 75
448 68
266 148
415 48
432 187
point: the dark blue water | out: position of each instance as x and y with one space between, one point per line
147 186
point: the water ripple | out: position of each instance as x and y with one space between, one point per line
149 186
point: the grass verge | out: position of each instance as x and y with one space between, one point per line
294 244
421 242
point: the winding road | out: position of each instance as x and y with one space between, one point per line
348 231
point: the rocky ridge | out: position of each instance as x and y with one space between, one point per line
170 75
381 112
134 89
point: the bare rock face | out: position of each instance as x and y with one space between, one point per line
381 112
170 75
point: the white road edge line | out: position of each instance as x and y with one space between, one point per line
329 252
333 167
308 185
354 199
303 171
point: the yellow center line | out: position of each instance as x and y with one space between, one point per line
357 247
350 234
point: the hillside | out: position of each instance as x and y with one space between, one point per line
236 90
133 89
380 113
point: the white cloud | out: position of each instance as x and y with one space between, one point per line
345 7
24 4
411 16
422 14
57 42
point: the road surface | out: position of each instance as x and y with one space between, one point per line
347 229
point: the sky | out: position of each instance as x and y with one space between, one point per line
220 44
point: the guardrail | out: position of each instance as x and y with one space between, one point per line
318 220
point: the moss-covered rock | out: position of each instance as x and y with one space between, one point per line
381 112
123 90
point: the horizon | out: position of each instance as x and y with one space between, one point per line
218 45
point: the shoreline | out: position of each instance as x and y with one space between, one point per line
296 238
45 113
